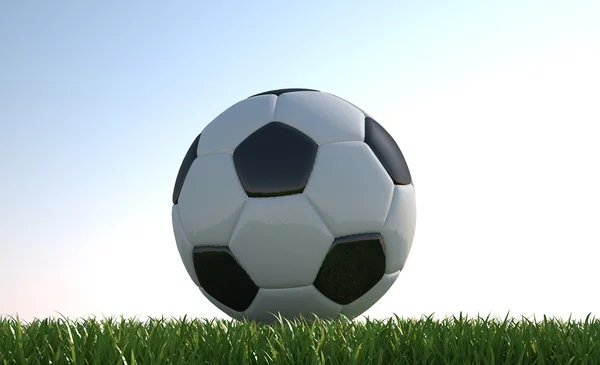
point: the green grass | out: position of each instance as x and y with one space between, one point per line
456 340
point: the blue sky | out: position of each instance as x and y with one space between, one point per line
493 103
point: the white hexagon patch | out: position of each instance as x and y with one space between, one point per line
291 303
183 246
350 188
280 241
323 117
211 200
399 228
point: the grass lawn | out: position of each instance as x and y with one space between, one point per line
456 340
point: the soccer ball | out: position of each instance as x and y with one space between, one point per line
296 203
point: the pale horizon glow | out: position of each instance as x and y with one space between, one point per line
495 106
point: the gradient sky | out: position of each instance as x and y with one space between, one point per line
496 106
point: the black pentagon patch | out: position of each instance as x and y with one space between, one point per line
189 158
275 160
221 276
387 151
353 265
281 91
